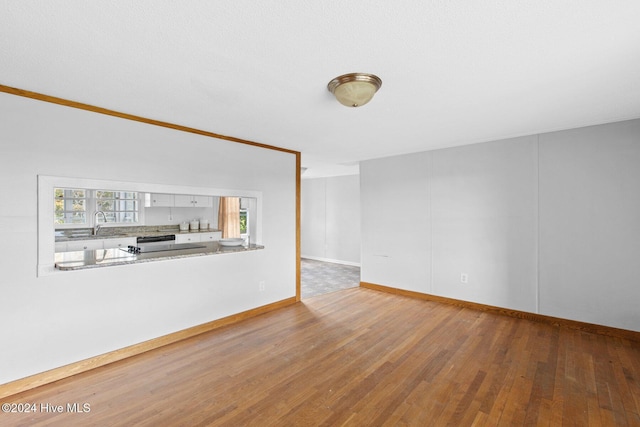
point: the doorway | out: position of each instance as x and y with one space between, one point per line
320 277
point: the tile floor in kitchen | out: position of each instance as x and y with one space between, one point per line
318 277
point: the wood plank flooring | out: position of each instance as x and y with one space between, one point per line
359 357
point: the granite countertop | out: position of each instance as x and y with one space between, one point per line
80 260
70 235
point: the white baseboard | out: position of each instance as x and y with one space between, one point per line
335 261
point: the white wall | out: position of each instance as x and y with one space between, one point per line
61 318
590 224
547 224
330 219
160 215
395 211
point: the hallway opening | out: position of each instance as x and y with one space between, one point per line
319 277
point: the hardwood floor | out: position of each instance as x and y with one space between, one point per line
359 357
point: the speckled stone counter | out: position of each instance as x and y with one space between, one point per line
70 235
80 260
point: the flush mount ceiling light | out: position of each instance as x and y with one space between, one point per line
354 89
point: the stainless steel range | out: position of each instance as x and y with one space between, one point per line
160 244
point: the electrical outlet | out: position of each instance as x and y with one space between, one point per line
464 278
261 285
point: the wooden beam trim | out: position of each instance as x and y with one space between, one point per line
100 110
298 224
37 380
72 369
541 318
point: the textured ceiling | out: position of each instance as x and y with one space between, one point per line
453 72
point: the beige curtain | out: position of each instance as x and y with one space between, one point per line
229 217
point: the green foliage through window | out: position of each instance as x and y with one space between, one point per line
118 206
70 206
243 221
78 206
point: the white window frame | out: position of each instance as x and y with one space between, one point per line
91 207
87 201
246 212
138 199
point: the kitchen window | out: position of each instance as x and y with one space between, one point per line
77 207
244 220
118 206
70 206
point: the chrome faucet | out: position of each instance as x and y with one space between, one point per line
96 226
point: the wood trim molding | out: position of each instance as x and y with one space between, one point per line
36 380
298 220
100 110
555 321
66 371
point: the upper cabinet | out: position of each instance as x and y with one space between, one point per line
203 201
156 199
186 201
177 200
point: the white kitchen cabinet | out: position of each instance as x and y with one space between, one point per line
159 200
93 244
183 201
188 238
187 201
202 201
84 245
119 242
213 236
